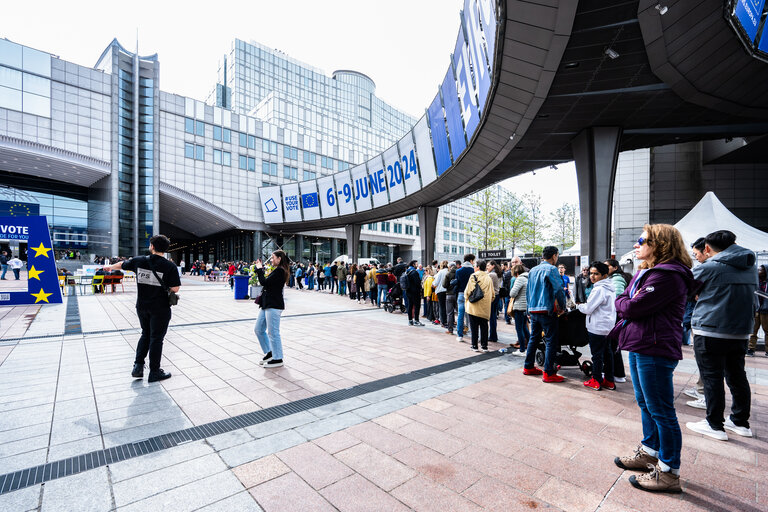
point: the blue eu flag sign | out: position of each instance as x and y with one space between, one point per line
309 200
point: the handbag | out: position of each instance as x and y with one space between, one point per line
477 293
257 291
173 297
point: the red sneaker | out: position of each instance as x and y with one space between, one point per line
592 383
607 384
552 377
532 371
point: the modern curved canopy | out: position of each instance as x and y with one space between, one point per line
677 77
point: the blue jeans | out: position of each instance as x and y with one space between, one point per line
382 293
505 305
521 326
269 321
5 269
343 286
460 322
543 322
655 395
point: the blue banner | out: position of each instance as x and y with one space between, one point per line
481 74
310 200
19 209
748 13
461 66
43 280
453 115
439 137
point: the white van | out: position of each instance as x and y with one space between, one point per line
360 261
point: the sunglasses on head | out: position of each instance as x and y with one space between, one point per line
641 241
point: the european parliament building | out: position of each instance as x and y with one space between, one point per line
111 159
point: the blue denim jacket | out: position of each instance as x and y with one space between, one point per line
545 286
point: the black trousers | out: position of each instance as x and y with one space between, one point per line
441 308
475 323
414 305
718 358
154 325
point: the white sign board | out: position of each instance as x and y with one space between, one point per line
271 205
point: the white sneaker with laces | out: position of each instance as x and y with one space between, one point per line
519 353
619 379
702 427
459 338
701 403
693 393
742 431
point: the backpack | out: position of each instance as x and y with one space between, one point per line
404 280
506 280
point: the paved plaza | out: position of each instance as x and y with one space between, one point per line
367 414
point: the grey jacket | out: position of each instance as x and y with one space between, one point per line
727 301
518 292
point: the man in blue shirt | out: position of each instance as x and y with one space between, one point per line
546 300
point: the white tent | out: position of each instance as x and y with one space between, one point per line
711 215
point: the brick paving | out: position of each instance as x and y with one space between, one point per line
483 437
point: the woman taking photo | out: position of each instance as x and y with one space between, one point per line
271 302
650 313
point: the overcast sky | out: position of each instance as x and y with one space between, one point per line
404 46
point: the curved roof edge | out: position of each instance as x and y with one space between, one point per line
122 48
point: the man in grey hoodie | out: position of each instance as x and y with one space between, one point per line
722 322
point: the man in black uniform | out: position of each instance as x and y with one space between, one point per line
152 304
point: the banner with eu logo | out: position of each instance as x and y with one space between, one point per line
42 278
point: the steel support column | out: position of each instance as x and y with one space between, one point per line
427 227
596 152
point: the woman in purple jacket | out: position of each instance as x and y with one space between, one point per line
650 313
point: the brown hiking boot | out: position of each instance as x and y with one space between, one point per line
657 481
638 461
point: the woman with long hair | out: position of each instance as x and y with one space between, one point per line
271 302
650 313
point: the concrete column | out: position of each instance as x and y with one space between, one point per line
365 253
299 248
334 249
353 240
391 255
257 237
427 227
596 152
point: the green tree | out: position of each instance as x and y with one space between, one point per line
565 221
534 236
485 222
514 222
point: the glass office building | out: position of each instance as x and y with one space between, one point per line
112 159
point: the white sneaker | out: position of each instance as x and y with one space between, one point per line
693 393
519 353
459 338
619 379
701 403
742 431
702 427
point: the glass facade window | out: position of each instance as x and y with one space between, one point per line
189 150
217 159
226 135
290 153
290 173
446 235
251 164
251 142
417 230
454 236
199 152
327 163
373 226
446 222
189 125
385 227
227 160
242 162
461 237
310 158
453 223
243 140
269 168
398 228
199 128
216 132
309 175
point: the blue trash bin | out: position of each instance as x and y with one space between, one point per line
241 287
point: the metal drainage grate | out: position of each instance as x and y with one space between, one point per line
45 472
72 317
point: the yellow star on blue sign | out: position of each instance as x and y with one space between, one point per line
41 296
41 250
35 274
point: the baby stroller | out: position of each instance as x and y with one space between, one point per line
394 299
571 335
